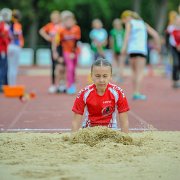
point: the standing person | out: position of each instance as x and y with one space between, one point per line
175 33
99 101
135 43
14 48
116 43
49 32
5 17
69 36
98 36
171 33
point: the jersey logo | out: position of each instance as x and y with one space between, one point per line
107 110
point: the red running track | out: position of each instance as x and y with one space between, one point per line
52 113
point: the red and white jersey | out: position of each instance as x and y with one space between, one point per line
100 110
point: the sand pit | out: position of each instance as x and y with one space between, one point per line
96 153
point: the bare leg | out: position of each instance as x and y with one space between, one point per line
137 65
121 65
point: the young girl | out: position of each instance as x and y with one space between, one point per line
116 43
14 48
100 101
135 43
69 36
98 36
49 33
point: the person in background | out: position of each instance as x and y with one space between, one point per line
5 17
176 52
49 33
100 101
135 44
69 35
14 48
173 46
98 36
116 43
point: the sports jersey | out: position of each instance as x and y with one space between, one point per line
98 35
100 110
176 35
118 38
4 36
138 37
16 34
69 38
171 39
52 29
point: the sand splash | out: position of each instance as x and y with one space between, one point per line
95 135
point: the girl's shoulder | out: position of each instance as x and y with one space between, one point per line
86 89
115 88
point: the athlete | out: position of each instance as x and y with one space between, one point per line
100 101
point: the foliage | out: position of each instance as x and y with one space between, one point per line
36 12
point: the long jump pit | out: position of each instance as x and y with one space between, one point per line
90 154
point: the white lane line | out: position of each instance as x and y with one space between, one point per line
16 119
58 130
142 121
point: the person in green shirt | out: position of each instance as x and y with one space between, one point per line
116 43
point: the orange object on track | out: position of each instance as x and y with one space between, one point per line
14 91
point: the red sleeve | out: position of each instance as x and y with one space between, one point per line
122 104
79 104
78 32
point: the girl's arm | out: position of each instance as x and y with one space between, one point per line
124 123
76 122
155 36
45 35
126 37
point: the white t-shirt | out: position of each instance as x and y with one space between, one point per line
138 37
170 29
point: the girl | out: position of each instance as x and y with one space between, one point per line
100 101
69 36
98 36
49 33
116 43
135 43
14 48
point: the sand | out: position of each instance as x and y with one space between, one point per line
146 155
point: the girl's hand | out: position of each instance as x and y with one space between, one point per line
60 60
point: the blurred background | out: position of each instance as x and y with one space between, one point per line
35 14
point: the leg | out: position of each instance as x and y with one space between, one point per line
13 62
3 70
122 59
70 73
137 65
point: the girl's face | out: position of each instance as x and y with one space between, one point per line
117 25
68 22
97 24
55 18
101 76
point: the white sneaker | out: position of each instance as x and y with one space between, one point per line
52 89
62 88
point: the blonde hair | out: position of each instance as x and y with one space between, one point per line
172 16
66 13
55 12
129 13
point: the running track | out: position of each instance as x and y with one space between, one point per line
52 113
